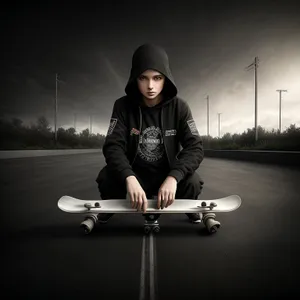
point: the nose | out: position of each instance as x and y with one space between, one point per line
150 85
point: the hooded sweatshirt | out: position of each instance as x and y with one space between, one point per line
152 141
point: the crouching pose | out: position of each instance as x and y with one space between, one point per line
152 146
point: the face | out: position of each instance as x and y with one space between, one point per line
150 84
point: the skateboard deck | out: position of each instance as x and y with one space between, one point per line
206 209
78 206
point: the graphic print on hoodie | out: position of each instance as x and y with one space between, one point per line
151 159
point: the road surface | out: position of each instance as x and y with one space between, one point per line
47 256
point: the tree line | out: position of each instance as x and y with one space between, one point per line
39 135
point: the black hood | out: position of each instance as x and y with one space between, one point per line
149 56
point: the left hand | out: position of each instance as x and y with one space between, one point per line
167 192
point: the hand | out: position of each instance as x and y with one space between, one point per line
136 193
167 192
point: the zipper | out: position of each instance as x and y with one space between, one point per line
140 129
163 136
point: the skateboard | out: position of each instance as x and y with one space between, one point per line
207 210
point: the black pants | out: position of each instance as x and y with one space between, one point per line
188 188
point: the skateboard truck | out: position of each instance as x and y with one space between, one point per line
89 205
150 223
151 226
211 206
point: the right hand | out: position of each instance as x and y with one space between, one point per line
136 193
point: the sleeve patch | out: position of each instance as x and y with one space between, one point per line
112 125
193 128
170 132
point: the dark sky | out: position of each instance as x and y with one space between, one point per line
209 45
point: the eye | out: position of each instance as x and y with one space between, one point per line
158 78
141 77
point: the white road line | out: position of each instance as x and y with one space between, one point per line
143 271
151 268
147 276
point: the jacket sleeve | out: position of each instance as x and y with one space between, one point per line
192 152
115 144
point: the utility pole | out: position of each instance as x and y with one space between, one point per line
55 110
91 123
75 119
207 98
219 114
280 91
255 64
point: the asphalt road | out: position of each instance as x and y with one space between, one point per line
47 256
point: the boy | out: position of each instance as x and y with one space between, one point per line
152 147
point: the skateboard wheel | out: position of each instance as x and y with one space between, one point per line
87 225
97 204
213 204
212 225
86 229
156 229
203 203
213 229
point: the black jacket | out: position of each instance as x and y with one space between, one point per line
182 141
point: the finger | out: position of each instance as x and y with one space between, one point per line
161 203
168 200
134 196
164 198
145 204
139 202
171 199
128 198
131 199
159 199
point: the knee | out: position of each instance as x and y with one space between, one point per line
191 186
108 187
101 179
194 182
102 176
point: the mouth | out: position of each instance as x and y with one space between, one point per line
151 93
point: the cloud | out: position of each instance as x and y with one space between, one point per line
117 79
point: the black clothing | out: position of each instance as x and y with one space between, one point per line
143 141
